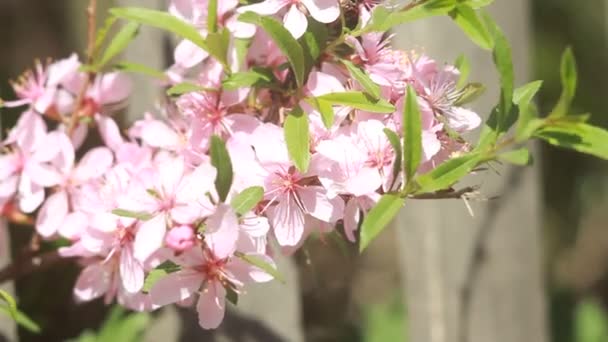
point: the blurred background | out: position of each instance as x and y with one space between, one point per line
530 266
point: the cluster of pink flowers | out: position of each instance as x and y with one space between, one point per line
149 195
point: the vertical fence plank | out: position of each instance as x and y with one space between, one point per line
474 279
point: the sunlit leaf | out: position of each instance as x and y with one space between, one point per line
297 138
359 100
448 173
247 199
470 23
378 218
220 159
363 79
519 157
577 136
569 81
119 43
412 134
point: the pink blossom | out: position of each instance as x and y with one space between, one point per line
323 11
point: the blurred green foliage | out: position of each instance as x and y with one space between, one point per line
118 326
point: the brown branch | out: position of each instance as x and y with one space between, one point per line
466 193
29 264
91 33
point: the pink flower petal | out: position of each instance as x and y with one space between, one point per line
52 214
317 204
150 237
131 270
324 11
176 287
222 231
211 305
295 22
287 219
92 283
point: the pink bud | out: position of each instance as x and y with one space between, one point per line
180 238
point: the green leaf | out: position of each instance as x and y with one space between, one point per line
464 66
284 40
231 295
119 43
569 81
378 218
502 116
137 68
10 309
468 20
526 92
359 100
247 199
393 138
448 173
590 322
384 19
161 20
249 78
313 42
363 79
527 113
11 305
261 264
143 216
297 138
22 319
212 16
184 88
130 327
476 4
102 33
577 136
412 134
217 46
470 93
220 159
158 273
326 109
519 157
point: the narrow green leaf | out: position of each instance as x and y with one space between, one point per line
519 157
11 305
184 88
231 295
577 136
22 319
119 43
464 66
10 309
247 199
261 264
143 216
526 92
378 218
249 78
527 112
162 20
137 68
363 79
217 46
393 138
502 116
313 42
384 19
569 81
327 112
158 273
297 138
102 33
470 93
212 16
220 159
466 18
448 173
359 100
284 40
412 134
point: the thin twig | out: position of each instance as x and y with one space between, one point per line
468 192
92 25
31 264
